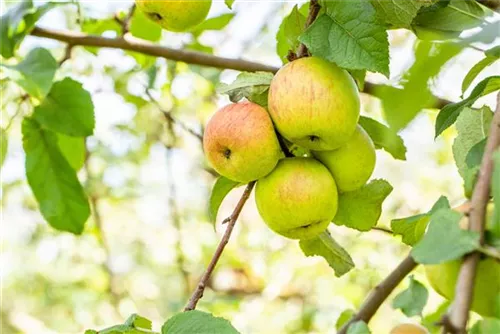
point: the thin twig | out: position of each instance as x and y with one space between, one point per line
459 314
67 54
171 119
314 9
490 251
125 22
198 293
380 293
101 237
190 57
383 229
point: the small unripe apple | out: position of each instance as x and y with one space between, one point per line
176 15
314 103
443 278
240 142
298 199
409 329
352 164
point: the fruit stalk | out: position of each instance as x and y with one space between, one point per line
231 222
456 320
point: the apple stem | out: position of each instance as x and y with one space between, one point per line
456 320
231 222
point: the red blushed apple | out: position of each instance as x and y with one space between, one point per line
240 142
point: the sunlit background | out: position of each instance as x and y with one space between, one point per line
151 238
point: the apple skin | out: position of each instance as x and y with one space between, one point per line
353 163
314 104
409 329
443 278
175 15
298 199
240 142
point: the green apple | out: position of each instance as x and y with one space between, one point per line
176 15
314 103
240 142
443 278
409 329
352 164
298 199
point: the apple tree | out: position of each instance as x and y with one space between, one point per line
298 135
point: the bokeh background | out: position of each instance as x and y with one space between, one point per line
150 238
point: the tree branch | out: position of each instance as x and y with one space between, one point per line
457 319
314 9
380 293
131 43
198 293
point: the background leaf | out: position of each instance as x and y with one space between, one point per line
360 209
486 326
135 324
214 23
4 145
359 327
444 240
229 3
325 246
349 35
412 300
53 182
143 27
492 55
197 322
73 150
253 86
449 114
67 109
34 73
402 105
384 137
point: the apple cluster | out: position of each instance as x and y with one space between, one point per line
313 104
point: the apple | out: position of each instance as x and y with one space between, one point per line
314 104
240 142
352 164
298 199
409 329
443 278
175 15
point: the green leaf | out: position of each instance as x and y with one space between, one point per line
143 27
289 31
18 22
360 209
475 155
73 150
359 76
430 320
229 3
344 317
324 245
449 114
492 55
53 182
214 23
34 73
413 228
400 106
444 240
473 126
221 188
384 138
397 13
458 15
197 322
495 192
350 35
412 300
99 26
486 326
67 109
253 86
135 324
359 327
4 145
